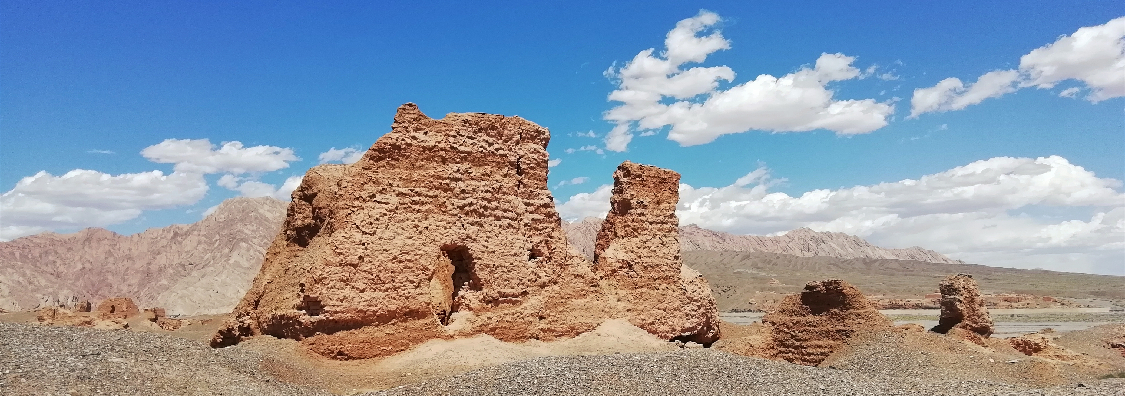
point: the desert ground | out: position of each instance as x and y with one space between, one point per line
615 359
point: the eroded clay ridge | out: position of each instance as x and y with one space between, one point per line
445 228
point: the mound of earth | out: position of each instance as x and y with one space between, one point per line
808 327
445 229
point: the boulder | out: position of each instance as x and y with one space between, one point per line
445 228
117 308
637 254
962 307
810 326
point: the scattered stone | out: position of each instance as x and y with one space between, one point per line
962 307
914 327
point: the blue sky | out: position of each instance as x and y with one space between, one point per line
1001 171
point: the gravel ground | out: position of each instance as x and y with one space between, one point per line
44 360
705 372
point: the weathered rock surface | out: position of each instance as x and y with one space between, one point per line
810 326
638 257
802 242
445 228
194 269
117 308
962 307
159 317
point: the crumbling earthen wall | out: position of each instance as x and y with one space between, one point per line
810 326
444 228
638 254
962 307
117 308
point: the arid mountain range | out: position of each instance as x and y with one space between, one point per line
802 242
199 268
205 267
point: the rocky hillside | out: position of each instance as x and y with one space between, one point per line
801 242
206 267
200 268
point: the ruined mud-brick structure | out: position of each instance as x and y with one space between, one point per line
810 326
445 228
637 254
962 307
117 308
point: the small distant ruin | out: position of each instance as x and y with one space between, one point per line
810 326
117 308
445 228
962 307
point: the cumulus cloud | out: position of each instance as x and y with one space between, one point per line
699 112
84 198
583 205
254 188
348 155
1093 56
553 163
983 212
200 156
87 198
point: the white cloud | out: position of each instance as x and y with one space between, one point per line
1093 55
254 188
982 212
589 134
84 198
96 151
700 112
572 182
888 76
595 149
583 205
200 156
1071 92
347 155
553 163
952 94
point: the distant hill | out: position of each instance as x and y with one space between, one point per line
801 242
206 267
200 268
735 277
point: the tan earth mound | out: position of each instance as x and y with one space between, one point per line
444 229
809 326
962 307
54 316
117 308
638 255
159 317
